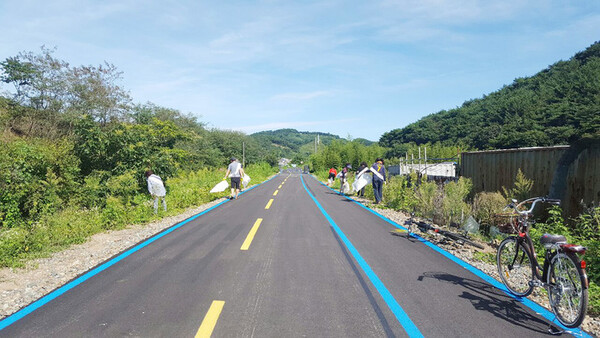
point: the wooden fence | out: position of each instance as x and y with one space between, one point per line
492 170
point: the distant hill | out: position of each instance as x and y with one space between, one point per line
558 105
290 143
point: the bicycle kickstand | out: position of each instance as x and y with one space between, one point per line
554 329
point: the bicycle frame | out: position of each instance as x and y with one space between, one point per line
541 272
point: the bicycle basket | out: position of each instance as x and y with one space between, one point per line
507 223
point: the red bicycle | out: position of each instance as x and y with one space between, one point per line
563 273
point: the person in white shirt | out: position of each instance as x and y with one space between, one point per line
235 172
157 189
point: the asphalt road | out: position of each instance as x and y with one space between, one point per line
328 268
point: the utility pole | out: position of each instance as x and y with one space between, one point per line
244 155
419 159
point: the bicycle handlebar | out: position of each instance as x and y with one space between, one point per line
535 200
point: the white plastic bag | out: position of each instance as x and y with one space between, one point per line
362 182
220 187
245 180
346 188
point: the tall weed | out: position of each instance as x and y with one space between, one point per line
454 204
429 197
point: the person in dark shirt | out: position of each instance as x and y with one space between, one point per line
378 170
361 192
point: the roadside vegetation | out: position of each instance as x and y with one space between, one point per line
74 149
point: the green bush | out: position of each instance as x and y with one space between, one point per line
587 233
454 205
125 186
93 192
485 206
13 245
36 177
521 189
398 195
114 214
429 197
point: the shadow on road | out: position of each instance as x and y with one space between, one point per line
487 298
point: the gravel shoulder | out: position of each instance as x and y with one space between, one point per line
20 287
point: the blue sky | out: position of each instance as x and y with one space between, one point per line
358 68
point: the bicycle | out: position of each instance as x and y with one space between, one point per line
412 225
562 275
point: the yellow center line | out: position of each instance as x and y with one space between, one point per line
251 234
210 320
269 204
279 187
275 193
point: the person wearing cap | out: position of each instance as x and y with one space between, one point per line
235 172
156 187
378 170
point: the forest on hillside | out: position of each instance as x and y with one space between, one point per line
291 143
559 105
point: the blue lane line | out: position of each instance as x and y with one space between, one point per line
410 328
525 301
61 290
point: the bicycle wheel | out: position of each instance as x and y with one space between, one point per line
515 267
568 296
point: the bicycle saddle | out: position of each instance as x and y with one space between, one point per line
548 239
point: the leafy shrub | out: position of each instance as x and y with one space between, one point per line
124 186
13 244
522 188
114 214
398 194
485 206
93 192
454 203
587 232
36 176
429 197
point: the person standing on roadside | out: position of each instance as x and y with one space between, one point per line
156 187
378 179
359 173
344 176
332 174
235 171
